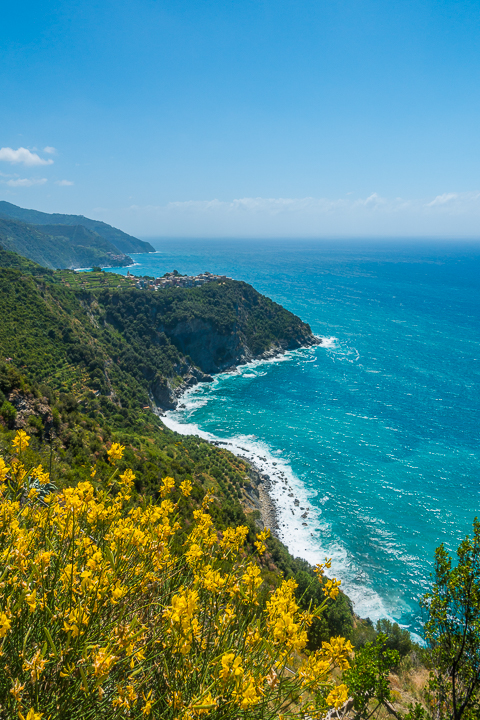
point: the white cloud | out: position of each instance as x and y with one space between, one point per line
23 156
271 206
373 200
26 182
50 150
442 199
64 183
451 214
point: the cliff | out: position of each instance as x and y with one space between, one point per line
119 343
60 246
214 328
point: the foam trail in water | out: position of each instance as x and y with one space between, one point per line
329 343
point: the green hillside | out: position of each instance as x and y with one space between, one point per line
77 372
72 329
122 241
15 261
60 246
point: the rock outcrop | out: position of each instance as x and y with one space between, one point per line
213 352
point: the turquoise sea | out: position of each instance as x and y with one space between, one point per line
375 431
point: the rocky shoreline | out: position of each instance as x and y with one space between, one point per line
256 497
167 396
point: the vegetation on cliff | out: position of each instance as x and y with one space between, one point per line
60 246
133 344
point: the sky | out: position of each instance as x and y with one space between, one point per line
251 118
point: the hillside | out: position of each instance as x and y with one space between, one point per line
122 241
127 341
13 260
60 246
78 370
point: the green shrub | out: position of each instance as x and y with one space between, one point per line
8 413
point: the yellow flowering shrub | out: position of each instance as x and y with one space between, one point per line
103 617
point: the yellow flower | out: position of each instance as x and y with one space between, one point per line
3 470
183 606
116 452
204 704
211 579
281 610
319 569
234 538
127 478
147 708
186 487
193 554
337 651
31 715
5 624
330 589
260 543
252 578
118 592
16 690
31 599
20 441
231 666
126 696
77 617
167 487
252 637
102 662
314 669
35 666
338 696
248 695
42 476
181 617
44 559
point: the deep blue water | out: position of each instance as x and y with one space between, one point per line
376 432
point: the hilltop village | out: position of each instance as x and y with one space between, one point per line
174 279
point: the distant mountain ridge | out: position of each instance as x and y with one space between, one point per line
60 246
121 240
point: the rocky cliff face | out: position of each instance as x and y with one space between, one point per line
211 352
177 337
214 352
166 391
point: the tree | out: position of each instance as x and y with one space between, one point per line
8 413
452 631
368 677
397 639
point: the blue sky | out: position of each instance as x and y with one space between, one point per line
252 118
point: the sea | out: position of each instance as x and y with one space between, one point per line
375 432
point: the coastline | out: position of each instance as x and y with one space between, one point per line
265 471
295 515
257 497
172 396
